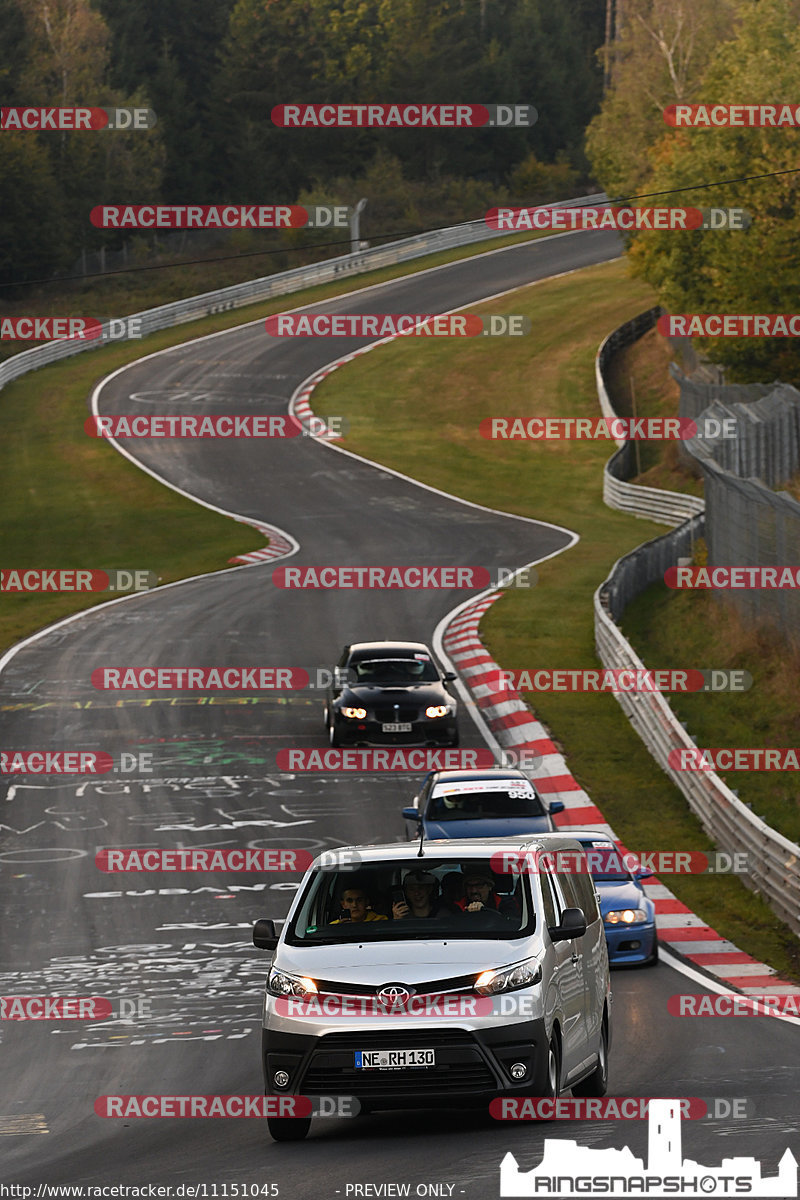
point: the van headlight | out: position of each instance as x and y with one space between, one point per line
279 983
625 916
508 979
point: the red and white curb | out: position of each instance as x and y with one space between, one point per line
279 545
300 403
514 725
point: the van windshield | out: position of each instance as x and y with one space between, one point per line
408 899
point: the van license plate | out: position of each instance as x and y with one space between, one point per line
396 727
388 1060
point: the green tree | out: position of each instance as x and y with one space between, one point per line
659 57
754 271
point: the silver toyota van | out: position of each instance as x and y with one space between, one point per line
447 973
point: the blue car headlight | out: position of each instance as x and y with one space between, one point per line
625 916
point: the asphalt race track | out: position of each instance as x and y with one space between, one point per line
182 945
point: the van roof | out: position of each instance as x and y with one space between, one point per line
461 849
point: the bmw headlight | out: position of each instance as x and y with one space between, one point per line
508 979
438 710
281 984
625 916
355 714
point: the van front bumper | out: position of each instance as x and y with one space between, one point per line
472 1065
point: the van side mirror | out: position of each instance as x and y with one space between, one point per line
412 814
264 935
573 925
450 676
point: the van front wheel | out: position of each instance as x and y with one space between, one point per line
596 1084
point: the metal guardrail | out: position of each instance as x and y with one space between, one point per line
280 284
773 860
655 504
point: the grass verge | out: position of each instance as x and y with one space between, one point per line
549 373
72 501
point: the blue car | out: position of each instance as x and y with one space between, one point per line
496 802
629 917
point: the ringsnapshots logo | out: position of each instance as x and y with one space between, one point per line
219 216
693 758
624 219
113 860
404 116
385 325
732 116
413 578
569 1169
40 579
617 679
733 578
74 119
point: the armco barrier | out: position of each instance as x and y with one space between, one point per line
240 294
668 508
774 861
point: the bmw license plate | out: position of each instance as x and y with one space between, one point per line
396 727
388 1060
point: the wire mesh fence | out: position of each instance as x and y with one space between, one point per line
749 523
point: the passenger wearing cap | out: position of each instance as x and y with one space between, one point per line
421 891
480 894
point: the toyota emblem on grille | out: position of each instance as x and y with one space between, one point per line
394 994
